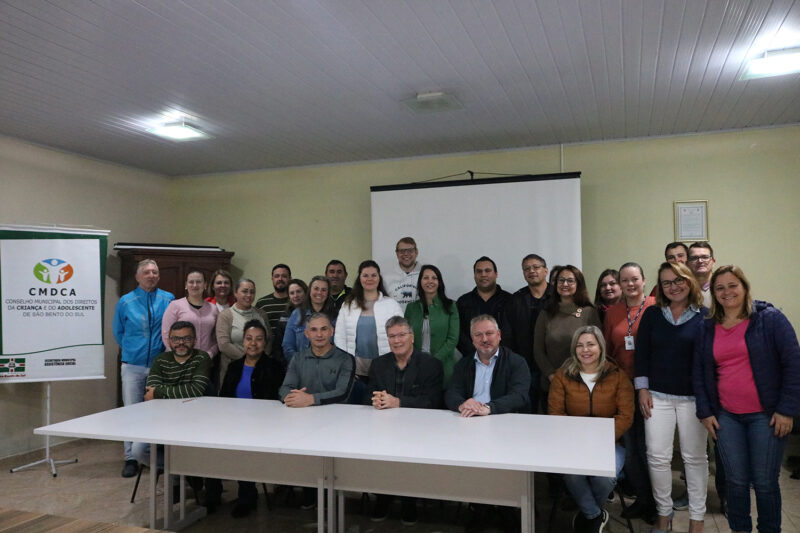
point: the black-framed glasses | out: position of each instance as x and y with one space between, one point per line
678 282
696 258
566 281
186 340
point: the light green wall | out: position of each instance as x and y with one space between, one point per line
304 216
41 186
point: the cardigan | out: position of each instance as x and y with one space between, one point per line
345 333
268 374
774 357
611 397
665 352
552 336
204 320
444 329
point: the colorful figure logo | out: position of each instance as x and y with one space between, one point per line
53 271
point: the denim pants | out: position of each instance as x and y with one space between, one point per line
133 379
590 492
752 455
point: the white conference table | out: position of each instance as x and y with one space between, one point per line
407 452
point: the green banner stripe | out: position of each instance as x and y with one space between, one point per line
51 349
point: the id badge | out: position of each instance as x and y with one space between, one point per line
629 342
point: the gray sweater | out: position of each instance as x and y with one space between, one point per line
329 377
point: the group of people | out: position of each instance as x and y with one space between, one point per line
698 355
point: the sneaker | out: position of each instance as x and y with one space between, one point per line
681 503
408 512
381 510
579 522
604 516
610 497
131 468
596 524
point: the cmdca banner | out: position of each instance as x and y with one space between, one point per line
51 289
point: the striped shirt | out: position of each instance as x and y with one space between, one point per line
275 308
171 379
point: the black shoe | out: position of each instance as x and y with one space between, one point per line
579 522
381 510
596 524
241 509
408 511
723 503
131 468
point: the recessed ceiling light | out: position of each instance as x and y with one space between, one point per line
773 63
433 102
178 131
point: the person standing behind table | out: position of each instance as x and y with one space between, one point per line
487 298
401 280
297 291
137 330
274 303
257 376
221 289
404 377
589 385
568 310
336 273
357 330
193 308
620 329
230 325
663 362
747 386
519 317
434 319
701 262
316 301
608 292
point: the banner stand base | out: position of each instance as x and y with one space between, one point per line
47 459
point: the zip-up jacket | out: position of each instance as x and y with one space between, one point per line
137 325
511 381
774 357
611 397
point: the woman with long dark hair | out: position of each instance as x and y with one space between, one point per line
361 324
608 291
434 319
317 300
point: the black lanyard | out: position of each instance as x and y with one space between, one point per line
628 315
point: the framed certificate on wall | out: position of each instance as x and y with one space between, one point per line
691 220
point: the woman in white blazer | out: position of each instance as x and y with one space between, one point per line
361 325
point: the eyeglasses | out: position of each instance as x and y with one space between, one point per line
405 251
566 281
678 282
531 268
184 340
398 336
696 258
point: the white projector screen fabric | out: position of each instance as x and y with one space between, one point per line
456 222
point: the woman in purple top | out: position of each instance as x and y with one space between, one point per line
747 386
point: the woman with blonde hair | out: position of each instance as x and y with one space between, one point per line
663 363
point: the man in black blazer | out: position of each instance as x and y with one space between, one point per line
404 377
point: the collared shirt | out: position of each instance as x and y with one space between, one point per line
685 316
483 378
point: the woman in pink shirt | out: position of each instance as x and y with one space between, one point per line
746 380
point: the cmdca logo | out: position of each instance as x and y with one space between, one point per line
53 271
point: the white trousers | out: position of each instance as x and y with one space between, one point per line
659 434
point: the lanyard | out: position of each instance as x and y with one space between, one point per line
628 315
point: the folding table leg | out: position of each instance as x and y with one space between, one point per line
152 482
527 505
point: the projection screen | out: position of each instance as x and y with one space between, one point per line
456 222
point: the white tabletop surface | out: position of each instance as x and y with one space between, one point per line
513 441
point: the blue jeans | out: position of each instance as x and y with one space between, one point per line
752 455
141 452
590 492
133 379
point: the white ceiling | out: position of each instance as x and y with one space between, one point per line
298 82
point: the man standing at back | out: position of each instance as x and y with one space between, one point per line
520 314
701 263
274 304
674 252
137 330
336 273
401 281
487 298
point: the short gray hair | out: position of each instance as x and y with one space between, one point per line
143 263
316 315
482 318
397 320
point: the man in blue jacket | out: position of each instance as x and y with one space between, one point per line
137 330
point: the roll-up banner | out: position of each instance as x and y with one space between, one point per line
52 282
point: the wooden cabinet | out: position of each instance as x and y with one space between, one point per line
174 263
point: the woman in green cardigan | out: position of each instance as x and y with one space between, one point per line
434 319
